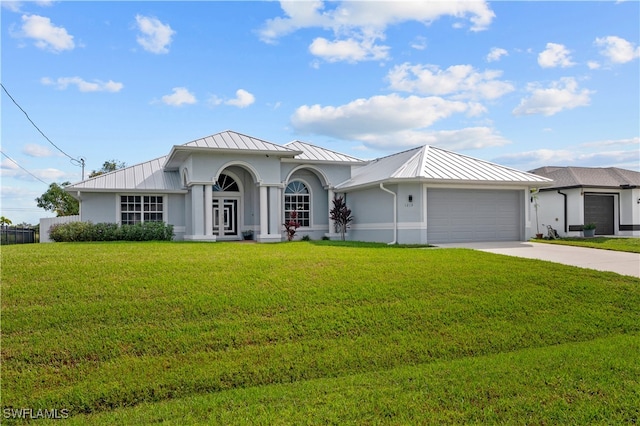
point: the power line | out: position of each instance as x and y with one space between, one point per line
75 161
14 162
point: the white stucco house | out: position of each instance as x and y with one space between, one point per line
216 187
608 197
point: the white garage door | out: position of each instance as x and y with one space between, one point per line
461 215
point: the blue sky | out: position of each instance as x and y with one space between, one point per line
522 84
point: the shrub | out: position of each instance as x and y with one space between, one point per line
87 231
306 238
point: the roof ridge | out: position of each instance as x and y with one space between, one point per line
239 134
323 148
618 172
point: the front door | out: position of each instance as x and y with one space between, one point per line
225 217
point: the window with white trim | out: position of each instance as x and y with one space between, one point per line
141 208
297 197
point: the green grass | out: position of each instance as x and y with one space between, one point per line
631 245
133 333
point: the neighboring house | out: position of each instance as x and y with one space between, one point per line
216 187
608 197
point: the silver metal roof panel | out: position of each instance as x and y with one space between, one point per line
315 153
428 163
147 176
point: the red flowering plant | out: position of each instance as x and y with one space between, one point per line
291 225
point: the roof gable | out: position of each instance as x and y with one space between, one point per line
227 141
428 163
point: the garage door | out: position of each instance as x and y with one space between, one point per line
457 215
598 209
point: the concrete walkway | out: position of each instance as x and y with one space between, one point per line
602 260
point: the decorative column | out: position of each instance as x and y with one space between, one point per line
264 217
208 210
332 228
197 221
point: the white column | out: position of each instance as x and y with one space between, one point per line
197 210
208 210
275 218
264 217
330 194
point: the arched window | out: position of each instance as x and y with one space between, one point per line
296 197
226 183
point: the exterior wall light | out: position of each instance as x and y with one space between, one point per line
411 199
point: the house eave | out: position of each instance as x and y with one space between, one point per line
619 187
72 190
329 162
444 182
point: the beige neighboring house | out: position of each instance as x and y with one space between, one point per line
608 197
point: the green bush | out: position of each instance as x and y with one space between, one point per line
87 231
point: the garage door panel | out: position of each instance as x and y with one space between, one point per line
473 215
599 209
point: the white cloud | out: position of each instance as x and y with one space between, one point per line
349 50
617 49
155 36
529 160
420 43
496 53
561 95
46 35
50 174
7 164
461 139
458 81
376 117
35 150
84 86
180 96
593 65
242 100
357 26
16 6
555 55
613 142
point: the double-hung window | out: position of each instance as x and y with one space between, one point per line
141 208
296 198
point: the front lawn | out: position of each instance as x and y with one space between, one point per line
607 243
304 333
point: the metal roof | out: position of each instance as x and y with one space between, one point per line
314 153
428 163
147 176
571 177
227 141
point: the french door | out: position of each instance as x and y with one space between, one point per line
225 217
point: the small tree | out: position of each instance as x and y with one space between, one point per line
341 215
108 166
5 221
57 200
291 225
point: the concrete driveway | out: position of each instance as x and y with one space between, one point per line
602 260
